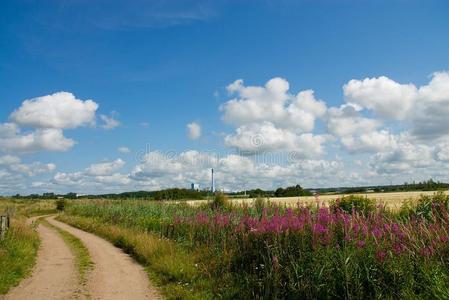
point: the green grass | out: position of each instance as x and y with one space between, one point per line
175 270
82 258
18 252
28 207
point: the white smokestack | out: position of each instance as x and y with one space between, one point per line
212 188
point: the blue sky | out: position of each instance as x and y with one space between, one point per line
156 66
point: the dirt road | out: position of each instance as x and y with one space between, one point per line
54 276
115 274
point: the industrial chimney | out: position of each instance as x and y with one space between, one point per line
212 188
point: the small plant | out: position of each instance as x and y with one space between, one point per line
260 204
357 203
430 206
220 201
60 204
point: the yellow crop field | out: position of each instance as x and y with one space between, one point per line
392 200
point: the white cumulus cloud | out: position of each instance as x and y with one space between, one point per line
269 118
48 139
384 96
105 168
59 110
38 124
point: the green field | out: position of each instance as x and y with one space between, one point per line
346 248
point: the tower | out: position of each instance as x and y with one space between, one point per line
212 188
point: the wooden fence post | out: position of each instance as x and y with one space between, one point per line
4 224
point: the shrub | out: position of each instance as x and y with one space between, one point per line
428 206
357 203
259 205
292 191
60 204
220 201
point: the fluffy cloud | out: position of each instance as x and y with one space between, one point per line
49 139
14 164
405 158
44 119
33 169
268 118
382 95
375 141
8 130
97 177
59 110
384 130
105 168
403 127
68 178
423 109
272 103
441 152
429 119
156 164
265 137
16 175
233 172
96 184
347 121
193 131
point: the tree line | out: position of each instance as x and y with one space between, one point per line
291 191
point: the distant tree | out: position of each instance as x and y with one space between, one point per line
178 194
71 196
292 191
259 193
49 195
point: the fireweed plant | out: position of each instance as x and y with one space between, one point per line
306 252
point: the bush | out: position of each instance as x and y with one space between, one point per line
292 191
220 201
428 207
353 202
60 204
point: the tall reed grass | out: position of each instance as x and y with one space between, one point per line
350 250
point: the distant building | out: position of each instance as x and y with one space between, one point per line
195 187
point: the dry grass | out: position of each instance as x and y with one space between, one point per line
17 253
28 207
